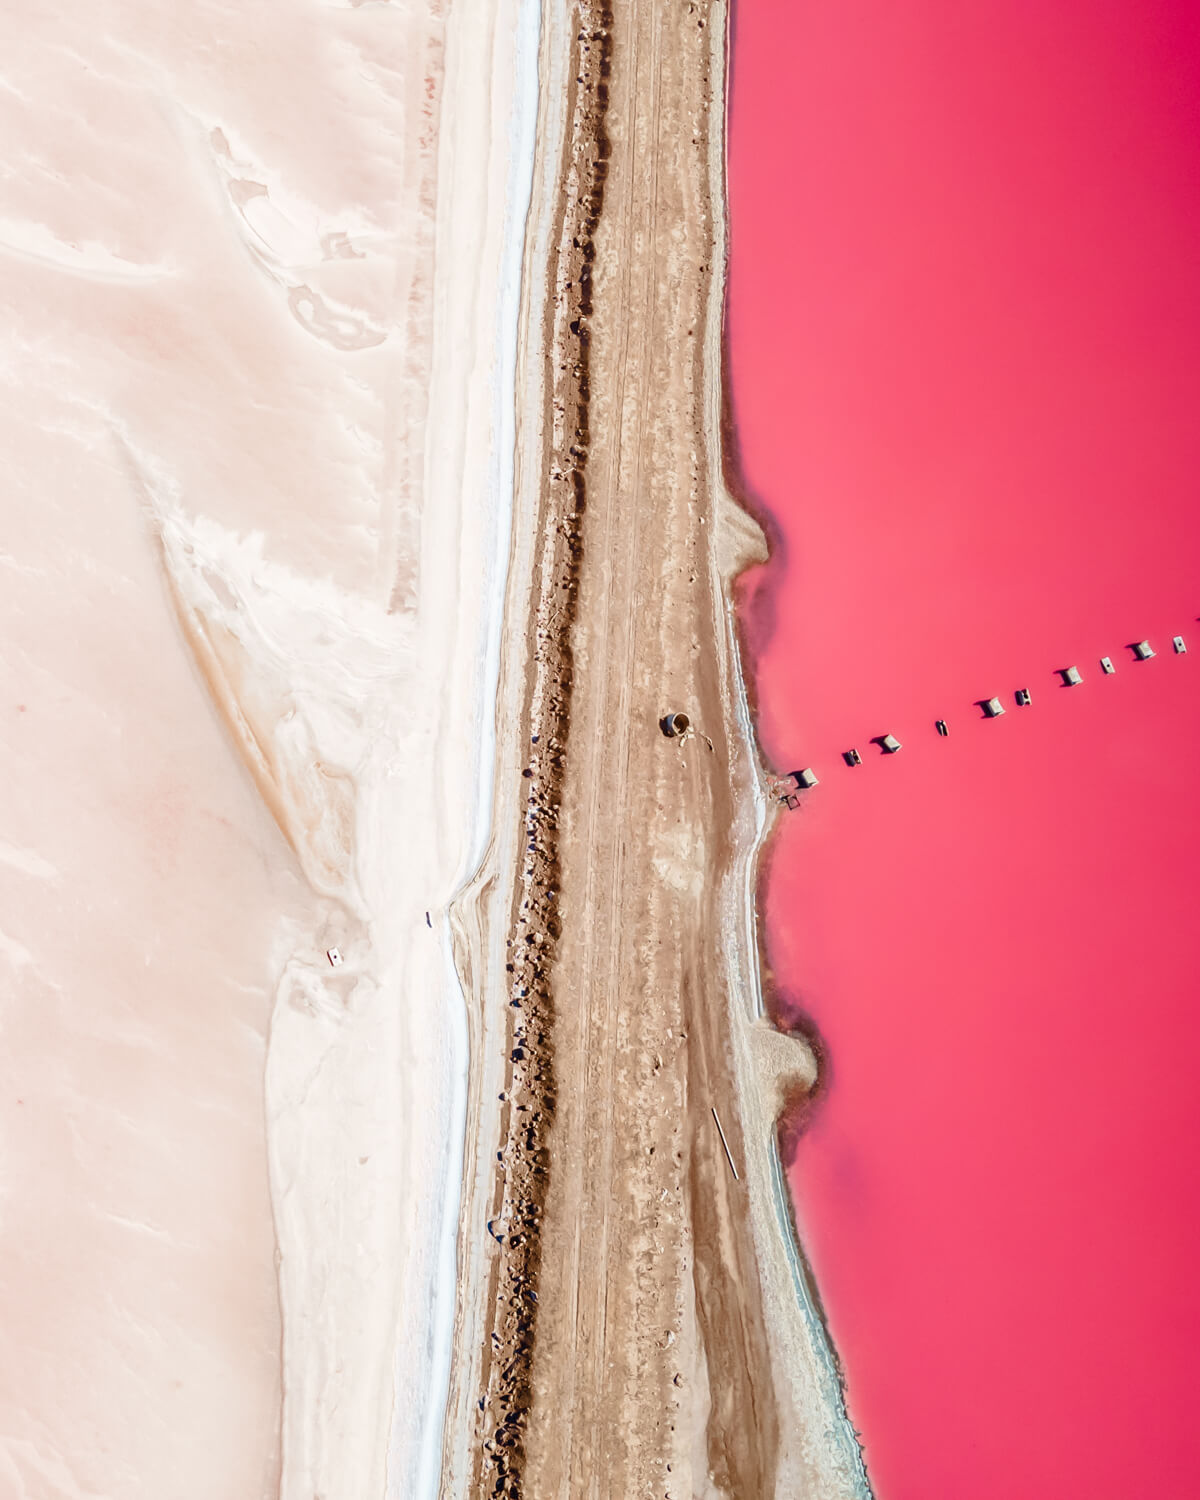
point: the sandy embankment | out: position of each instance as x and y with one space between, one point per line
631 1318
249 599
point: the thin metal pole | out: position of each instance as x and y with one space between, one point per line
725 1143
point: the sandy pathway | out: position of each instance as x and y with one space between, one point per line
643 1328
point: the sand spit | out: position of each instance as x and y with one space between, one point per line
259 307
530 1099
630 1319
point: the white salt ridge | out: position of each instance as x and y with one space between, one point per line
34 241
27 862
516 148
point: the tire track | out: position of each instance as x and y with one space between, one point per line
531 1101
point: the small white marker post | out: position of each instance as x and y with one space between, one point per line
334 955
725 1143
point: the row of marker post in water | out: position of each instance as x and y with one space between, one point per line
805 780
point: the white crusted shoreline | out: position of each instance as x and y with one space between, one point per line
438 813
513 54
257 336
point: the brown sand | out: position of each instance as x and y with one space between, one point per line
628 1325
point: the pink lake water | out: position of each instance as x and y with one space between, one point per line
964 340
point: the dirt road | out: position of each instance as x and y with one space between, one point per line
647 1265
629 1323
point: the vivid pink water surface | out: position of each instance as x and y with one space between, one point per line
965 348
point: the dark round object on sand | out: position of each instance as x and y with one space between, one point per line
675 724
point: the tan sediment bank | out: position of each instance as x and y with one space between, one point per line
630 1318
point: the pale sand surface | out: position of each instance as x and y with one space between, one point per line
259 295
